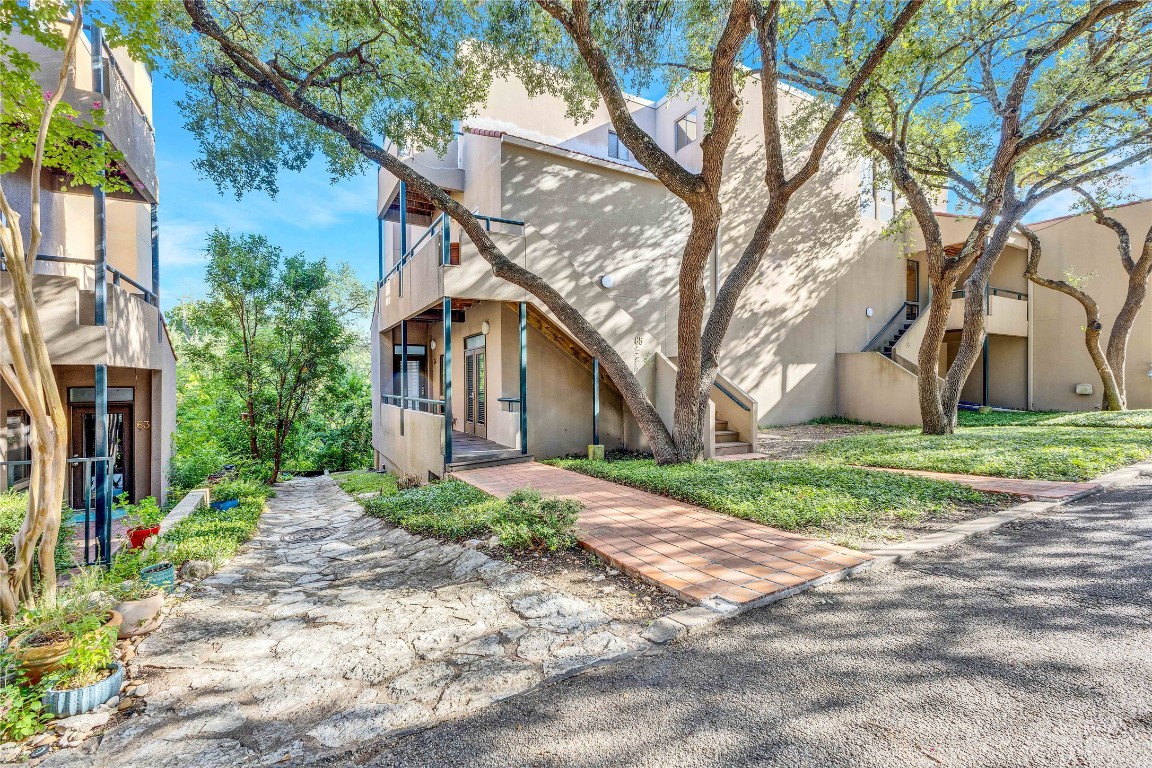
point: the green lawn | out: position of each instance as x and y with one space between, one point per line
1060 448
365 481
794 495
1126 419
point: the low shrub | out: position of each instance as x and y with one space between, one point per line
227 490
13 508
365 481
455 510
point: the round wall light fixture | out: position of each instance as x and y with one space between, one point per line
432 344
868 312
485 327
607 281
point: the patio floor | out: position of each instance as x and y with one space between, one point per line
689 551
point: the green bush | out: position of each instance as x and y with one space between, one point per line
455 510
227 490
13 508
365 481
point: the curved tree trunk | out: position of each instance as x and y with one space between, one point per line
1117 351
935 420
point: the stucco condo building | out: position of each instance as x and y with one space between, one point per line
469 369
97 287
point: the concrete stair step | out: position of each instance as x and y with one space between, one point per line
727 436
728 449
721 425
493 461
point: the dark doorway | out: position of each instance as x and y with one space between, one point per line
475 387
120 424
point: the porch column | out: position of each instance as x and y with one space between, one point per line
524 378
403 235
446 310
403 372
595 401
380 249
101 469
101 244
985 367
156 267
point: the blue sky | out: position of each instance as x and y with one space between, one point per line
334 221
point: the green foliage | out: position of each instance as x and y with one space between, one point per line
146 513
22 712
792 495
455 510
1119 419
13 508
71 146
1037 452
263 373
214 535
366 481
238 488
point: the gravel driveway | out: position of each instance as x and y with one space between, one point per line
1031 646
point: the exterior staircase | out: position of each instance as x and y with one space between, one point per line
728 441
895 337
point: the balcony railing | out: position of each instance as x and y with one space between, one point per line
422 404
116 277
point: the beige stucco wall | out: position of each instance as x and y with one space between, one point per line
870 387
1060 360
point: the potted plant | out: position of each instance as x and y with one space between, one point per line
155 567
42 649
143 521
88 676
140 603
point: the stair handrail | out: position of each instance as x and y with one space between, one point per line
902 312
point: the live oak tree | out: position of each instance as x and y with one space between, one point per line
38 131
1003 105
271 84
1109 362
273 331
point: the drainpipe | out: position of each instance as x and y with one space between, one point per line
156 266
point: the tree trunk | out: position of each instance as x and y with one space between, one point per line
932 413
1117 353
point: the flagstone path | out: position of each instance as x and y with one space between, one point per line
333 630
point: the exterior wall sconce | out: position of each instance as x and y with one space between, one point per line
868 312
485 327
607 281
432 344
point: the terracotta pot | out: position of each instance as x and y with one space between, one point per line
140 616
38 661
137 536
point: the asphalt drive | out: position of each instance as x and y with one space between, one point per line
1028 646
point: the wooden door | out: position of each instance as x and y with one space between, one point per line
120 426
475 388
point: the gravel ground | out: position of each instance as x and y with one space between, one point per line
1031 646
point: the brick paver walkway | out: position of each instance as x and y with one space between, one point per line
1040 490
692 552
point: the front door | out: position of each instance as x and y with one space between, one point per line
475 386
83 480
912 287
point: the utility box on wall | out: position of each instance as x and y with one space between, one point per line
1083 389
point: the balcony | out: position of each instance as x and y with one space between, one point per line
445 172
1006 312
433 268
125 98
66 300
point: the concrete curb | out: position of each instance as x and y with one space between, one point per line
692 620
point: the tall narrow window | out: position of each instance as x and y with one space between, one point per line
686 130
617 149
18 434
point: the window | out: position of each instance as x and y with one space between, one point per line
18 435
617 149
686 130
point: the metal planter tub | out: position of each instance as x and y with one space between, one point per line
79 700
